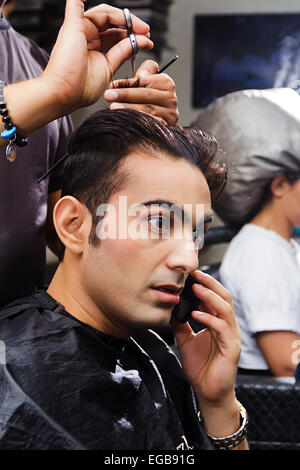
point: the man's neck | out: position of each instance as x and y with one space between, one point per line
68 291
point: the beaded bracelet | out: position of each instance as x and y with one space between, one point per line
10 131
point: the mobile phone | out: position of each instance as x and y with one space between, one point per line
188 302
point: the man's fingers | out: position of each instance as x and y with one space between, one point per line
90 30
152 94
148 67
121 51
111 37
217 299
94 45
74 10
160 82
211 283
138 95
104 16
182 331
224 332
210 321
214 303
161 113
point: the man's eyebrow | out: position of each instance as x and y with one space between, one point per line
207 219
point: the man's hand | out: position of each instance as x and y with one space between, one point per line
210 357
89 49
148 92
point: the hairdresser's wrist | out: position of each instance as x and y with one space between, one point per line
31 104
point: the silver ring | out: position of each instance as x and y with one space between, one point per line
134 45
127 15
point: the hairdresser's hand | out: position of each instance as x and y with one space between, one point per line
78 72
210 357
148 92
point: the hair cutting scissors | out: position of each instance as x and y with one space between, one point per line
132 38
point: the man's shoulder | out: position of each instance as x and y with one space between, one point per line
32 316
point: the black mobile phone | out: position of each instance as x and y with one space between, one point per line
188 303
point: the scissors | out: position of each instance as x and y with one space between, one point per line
132 38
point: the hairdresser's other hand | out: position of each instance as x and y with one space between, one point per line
210 357
148 92
78 72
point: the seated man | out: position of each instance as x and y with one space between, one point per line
25 228
81 370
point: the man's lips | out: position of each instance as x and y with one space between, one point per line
169 293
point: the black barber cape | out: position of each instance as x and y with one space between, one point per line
65 385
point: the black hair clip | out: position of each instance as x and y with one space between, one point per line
59 162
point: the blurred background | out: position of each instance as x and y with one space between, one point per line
223 46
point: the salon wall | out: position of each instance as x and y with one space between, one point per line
181 37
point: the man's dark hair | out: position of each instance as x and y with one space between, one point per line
92 172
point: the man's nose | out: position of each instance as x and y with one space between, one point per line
183 256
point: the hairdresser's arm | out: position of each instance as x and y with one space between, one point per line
148 91
280 350
78 72
209 358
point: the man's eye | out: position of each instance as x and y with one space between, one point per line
199 233
159 222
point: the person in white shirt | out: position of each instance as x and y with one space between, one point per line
258 133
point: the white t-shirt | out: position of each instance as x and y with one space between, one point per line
261 270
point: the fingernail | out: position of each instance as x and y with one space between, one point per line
199 287
111 95
144 73
117 106
200 272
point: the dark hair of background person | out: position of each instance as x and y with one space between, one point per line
92 172
267 194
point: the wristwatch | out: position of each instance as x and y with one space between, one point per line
229 442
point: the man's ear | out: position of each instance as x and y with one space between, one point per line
71 223
280 186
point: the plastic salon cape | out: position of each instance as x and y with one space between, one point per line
65 385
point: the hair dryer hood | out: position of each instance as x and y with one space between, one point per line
258 132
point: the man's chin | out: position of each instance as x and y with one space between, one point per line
157 319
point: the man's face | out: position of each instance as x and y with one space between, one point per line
132 278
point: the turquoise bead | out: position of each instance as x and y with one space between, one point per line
8 134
